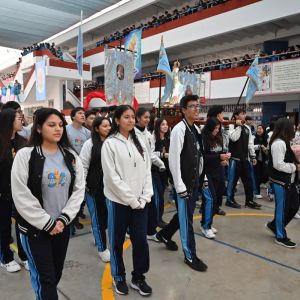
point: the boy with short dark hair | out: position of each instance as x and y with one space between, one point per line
186 166
241 147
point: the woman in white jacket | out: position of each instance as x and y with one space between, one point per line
143 119
127 187
47 183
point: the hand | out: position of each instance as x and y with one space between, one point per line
224 163
298 167
61 225
184 195
238 122
254 162
57 229
162 169
224 156
139 207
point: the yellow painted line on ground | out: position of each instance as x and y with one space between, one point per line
107 283
168 205
14 248
85 222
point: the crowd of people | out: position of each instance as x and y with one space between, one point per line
8 76
121 165
166 17
229 63
56 51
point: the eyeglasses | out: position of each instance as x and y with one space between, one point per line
193 106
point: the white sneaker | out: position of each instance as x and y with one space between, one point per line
105 255
258 196
153 238
25 264
297 216
208 233
11 267
214 230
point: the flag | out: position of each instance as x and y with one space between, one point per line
254 80
164 67
79 53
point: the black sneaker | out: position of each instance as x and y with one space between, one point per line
252 204
141 286
79 225
220 212
196 264
232 203
286 242
270 228
82 215
121 287
162 224
171 245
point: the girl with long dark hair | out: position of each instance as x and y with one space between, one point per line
215 161
261 151
282 169
127 187
10 143
91 159
48 189
143 119
161 178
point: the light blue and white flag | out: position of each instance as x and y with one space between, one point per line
164 67
254 80
40 80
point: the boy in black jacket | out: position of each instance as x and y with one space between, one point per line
186 166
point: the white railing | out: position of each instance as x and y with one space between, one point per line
71 98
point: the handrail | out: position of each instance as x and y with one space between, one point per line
29 76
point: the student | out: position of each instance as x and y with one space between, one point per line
78 135
242 152
47 188
143 119
127 187
161 178
10 143
282 169
215 161
217 111
91 159
16 106
261 152
90 116
186 166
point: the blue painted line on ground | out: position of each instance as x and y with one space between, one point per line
272 261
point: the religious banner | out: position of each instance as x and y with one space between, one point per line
119 79
133 42
40 80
